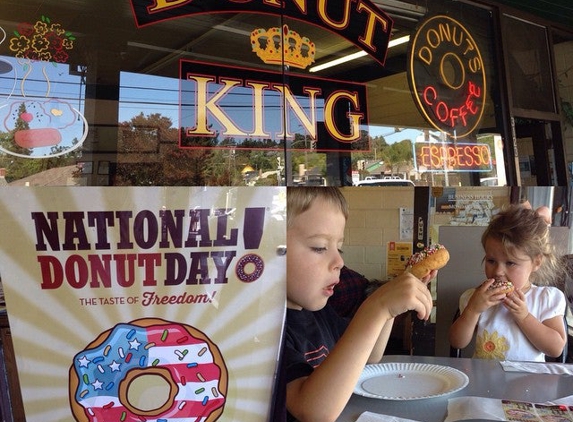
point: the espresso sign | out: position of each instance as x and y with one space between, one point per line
447 76
442 156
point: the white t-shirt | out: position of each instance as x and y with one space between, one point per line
499 337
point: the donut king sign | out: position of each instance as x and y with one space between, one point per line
359 21
272 110
144 304
447 76
243 104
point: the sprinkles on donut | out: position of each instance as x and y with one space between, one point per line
430 258
108 378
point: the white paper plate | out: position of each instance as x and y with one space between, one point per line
409 381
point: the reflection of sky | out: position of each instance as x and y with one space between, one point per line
148 94
391 135
54 98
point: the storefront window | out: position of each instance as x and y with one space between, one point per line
238 94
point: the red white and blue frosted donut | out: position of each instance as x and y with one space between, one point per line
183 371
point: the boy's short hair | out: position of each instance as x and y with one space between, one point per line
300 199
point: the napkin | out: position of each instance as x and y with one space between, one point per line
481 408
377 417
466 408
537 367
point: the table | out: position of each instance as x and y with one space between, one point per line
486 379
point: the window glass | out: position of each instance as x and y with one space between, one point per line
193 96
529 65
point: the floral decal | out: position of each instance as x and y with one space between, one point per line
43 41
491 346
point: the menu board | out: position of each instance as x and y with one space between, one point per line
144 304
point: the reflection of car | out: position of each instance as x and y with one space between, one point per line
385 182
488 181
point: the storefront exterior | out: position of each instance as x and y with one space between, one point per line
180 92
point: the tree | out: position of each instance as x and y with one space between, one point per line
18 167
149 154
397 154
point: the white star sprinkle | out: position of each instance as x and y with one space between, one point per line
97 384
134 344
114 366
84 362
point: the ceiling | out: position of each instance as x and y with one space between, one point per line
107 35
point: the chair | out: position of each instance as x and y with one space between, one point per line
455 353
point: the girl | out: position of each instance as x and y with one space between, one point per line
526 324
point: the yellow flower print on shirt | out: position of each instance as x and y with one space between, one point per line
491 346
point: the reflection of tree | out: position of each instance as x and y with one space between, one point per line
377 145
363 144
8 142
149 154
20 167
397 154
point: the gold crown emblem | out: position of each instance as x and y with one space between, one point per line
297 51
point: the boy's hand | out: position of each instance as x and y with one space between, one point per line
405 293
431 275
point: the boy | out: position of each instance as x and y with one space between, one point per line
323 354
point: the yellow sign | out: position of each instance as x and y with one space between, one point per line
398 254
132 304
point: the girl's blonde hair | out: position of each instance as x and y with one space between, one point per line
522 229
299 200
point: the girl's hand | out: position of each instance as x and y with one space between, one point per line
516 305
483 299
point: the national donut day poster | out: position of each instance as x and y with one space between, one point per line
145 304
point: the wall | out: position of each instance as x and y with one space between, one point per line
373 222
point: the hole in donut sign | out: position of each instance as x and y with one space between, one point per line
452 71
148 392
249 268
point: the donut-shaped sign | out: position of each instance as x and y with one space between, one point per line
249 268
447 76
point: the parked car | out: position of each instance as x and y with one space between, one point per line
385 182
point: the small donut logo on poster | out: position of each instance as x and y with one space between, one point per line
41 126
149 368
447 76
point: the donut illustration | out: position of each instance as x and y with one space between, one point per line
148 369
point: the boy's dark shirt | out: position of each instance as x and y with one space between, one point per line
349 293
309 338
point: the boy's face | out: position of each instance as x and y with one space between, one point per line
314 259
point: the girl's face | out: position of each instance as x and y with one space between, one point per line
517 267
314 258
